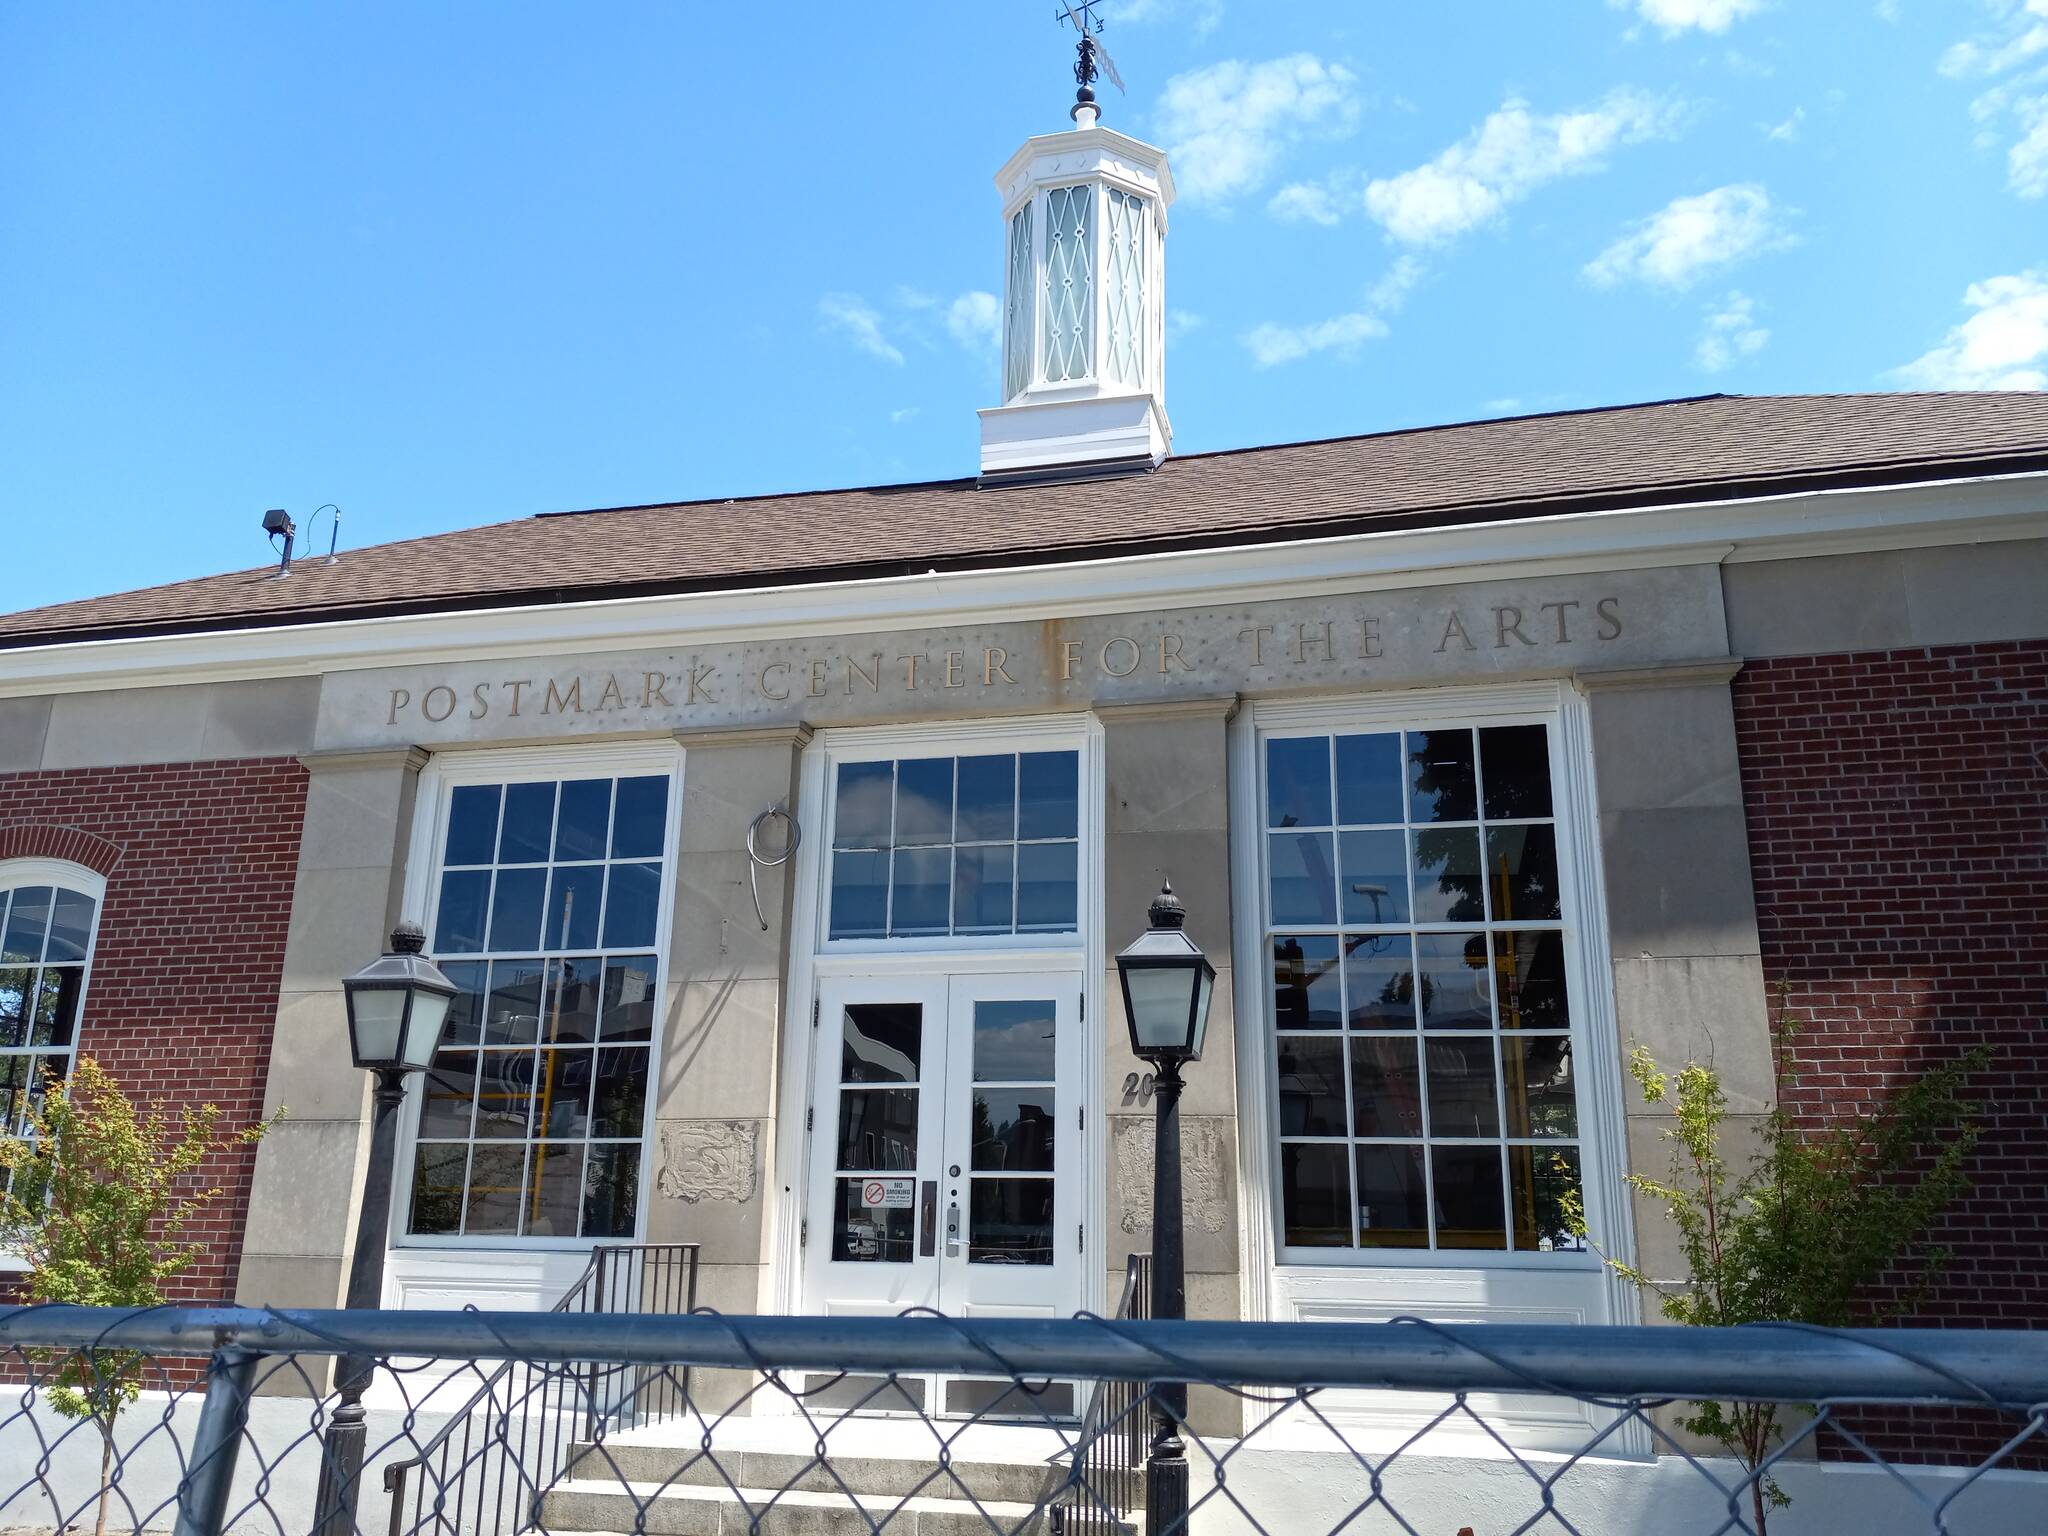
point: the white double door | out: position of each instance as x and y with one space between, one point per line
946 1145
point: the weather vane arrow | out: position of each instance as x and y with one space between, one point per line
1095 62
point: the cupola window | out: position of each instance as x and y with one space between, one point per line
1017 320
1069 284
1124 284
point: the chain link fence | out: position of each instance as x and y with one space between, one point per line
210 1420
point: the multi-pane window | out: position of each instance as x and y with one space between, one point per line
935 846
46 932
1420 1017
533 1117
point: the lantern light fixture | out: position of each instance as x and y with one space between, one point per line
1167 984
397 1005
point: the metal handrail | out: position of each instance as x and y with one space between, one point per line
1107 1480
396 1473
593 1288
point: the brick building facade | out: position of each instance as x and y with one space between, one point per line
1479 755
199 860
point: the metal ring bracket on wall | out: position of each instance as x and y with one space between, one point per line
762 860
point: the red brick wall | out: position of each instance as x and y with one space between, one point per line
199 860
1898 825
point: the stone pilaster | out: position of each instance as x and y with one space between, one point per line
307 1186
1168 817
1681 910
712 1161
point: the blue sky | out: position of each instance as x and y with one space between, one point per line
448 264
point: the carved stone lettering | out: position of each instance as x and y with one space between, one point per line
1544 626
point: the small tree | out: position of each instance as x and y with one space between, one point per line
97 1201
1818 1217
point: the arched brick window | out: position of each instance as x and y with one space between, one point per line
49 914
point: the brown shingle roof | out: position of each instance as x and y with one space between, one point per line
1523 467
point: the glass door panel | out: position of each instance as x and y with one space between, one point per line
879 1071
946 1155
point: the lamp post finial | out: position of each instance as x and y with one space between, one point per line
1166 910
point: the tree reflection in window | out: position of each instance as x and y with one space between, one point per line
1414 918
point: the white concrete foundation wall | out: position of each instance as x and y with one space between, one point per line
1301 1489
1297 1492
46 1483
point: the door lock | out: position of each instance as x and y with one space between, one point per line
953 1230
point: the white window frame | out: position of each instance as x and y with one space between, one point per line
1588 976
979 739
62 873
437 781
813 957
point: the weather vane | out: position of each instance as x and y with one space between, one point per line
1094 62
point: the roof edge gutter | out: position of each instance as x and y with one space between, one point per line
1966 509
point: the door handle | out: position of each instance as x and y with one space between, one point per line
928 1219
953 1230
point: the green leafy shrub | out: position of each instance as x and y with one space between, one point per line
97 1202
1807 1229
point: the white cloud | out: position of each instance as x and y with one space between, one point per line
1271 344
2020 34
2013 54
1503 160
908 413
976 321
1179 322
1690 236
1226 124
1731 333
1786 132
1392 290
2004 345
2026 163
1313 202
1672 17
1199 15
855 319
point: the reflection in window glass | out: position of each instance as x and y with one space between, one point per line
936 847
1392 1198
46 937
1307 991
534 1113
1010 1219
1413 903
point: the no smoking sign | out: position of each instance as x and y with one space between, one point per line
887 1194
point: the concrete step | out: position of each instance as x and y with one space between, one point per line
683 1509
908 1469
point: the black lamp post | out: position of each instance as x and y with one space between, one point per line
396 1006
1167 982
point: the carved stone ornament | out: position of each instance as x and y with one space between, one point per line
1205 1172
709 1160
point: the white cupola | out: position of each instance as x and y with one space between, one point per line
1084 306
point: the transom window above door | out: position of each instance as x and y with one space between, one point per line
1416 989
931 847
